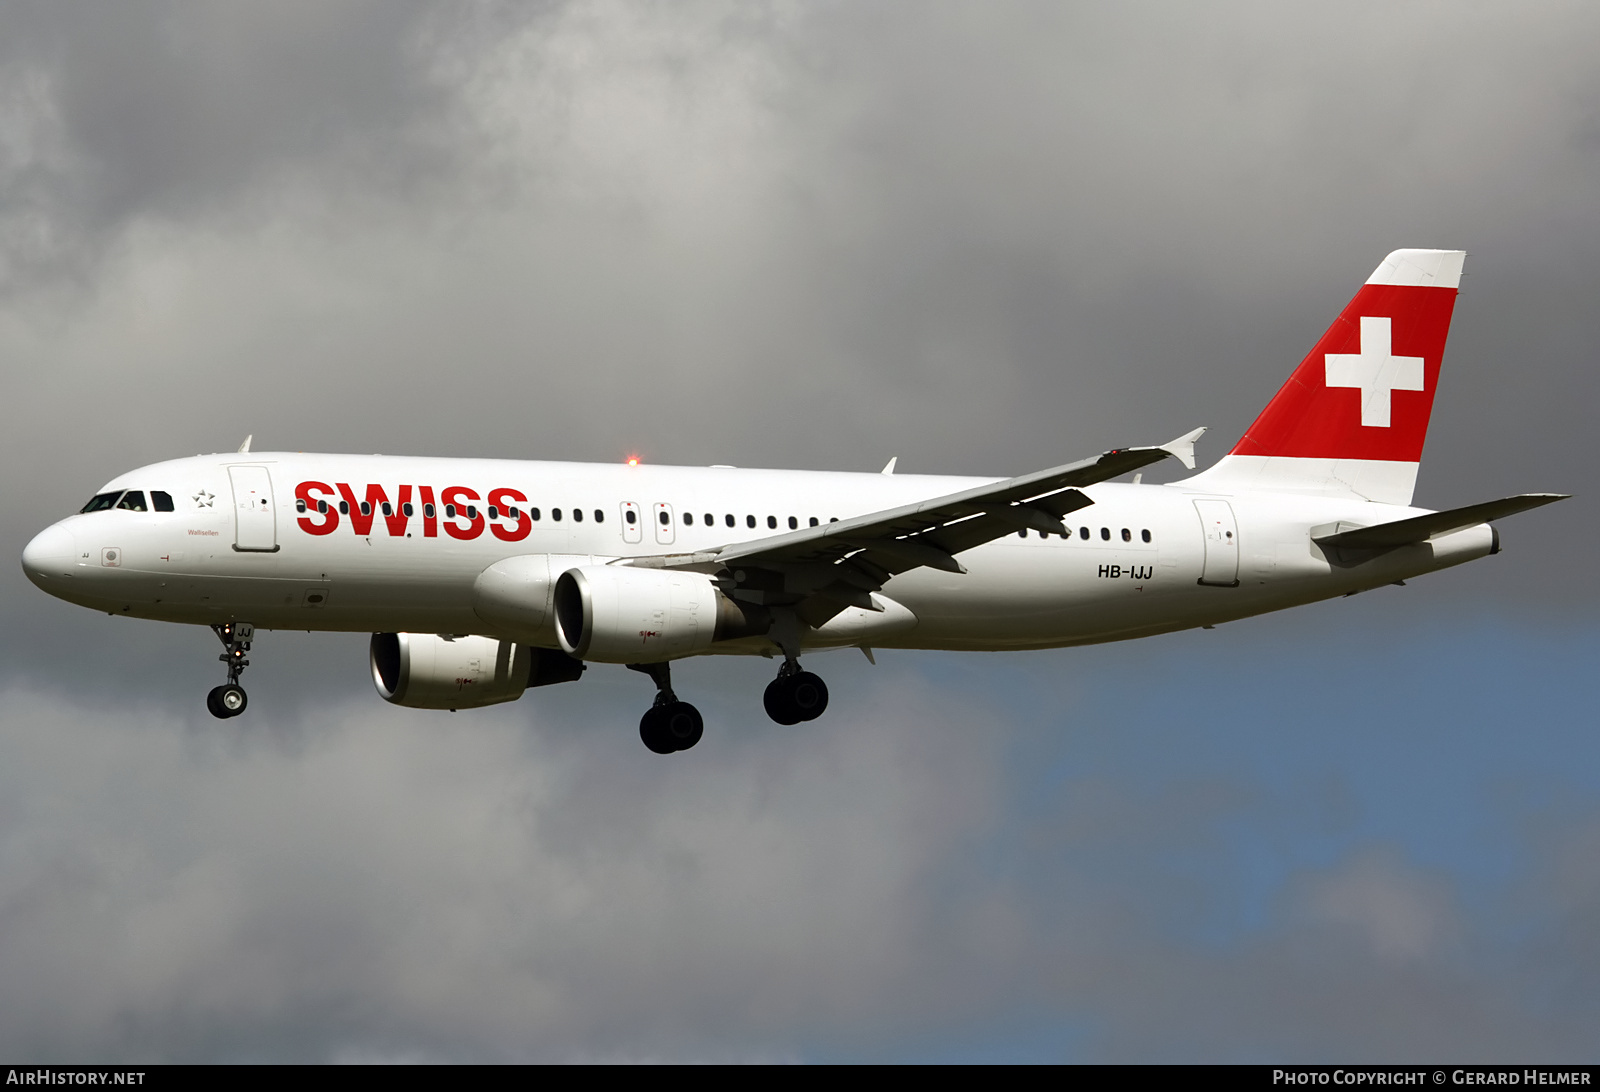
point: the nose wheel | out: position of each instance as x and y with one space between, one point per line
229 699
795 695
669 725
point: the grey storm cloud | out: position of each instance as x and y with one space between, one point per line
983 238
123 112
788 235
374 886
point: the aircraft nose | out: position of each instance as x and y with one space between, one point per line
50 556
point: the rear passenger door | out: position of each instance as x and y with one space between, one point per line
1221 533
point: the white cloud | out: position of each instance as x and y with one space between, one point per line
1399 912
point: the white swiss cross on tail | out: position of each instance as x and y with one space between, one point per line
1375 370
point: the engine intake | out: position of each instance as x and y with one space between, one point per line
432 671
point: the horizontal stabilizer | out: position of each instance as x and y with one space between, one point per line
1387 536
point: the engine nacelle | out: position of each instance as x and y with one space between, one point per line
513 595
624 615
429 671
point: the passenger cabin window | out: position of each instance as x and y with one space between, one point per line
1083 533
299 504
711 521
132 501
388 509
534 512
344 508
555 514
101 501
749 521
813 521
494 511
731 521
688 519
407 509
449 511
772 522
428 510
793 523
161 500
631 516
577 515
599 516
1145 535
322 506
1105 534
1127 535
366 508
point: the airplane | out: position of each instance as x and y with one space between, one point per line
479 579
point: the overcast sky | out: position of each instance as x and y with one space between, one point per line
984 238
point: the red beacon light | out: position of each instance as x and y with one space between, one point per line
633 460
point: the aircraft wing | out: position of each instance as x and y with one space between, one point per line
840 563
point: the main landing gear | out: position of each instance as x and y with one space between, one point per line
672 725
229 699
795 695
669 725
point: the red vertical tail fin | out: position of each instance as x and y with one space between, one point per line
1352 418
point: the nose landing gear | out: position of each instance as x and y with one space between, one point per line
669 725
229 699
795 695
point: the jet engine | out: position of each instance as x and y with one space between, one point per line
512 596
623 615
434 671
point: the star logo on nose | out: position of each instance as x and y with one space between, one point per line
203 499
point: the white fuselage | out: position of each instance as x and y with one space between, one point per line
1138 560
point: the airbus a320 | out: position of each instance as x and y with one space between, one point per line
479 579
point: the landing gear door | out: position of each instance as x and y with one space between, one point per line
1221 535
661 516
255 517
632 522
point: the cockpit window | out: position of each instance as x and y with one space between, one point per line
133 501
160 500
101 502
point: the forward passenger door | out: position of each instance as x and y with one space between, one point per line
255 520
